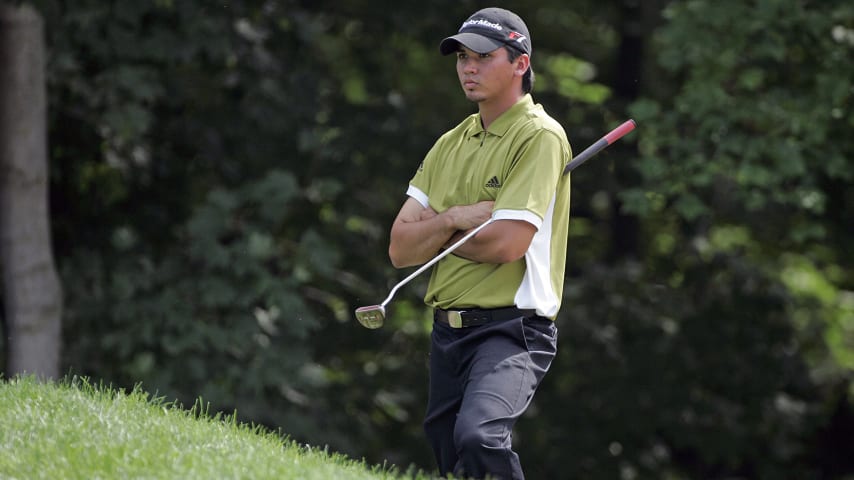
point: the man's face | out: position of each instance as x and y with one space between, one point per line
486 76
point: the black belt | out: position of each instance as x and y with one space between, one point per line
479 316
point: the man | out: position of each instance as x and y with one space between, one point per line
496 297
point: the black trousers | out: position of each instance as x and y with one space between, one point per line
481 381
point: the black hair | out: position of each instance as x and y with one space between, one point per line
528 77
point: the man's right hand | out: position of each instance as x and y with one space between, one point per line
466 217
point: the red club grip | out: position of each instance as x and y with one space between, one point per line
603 142
618 132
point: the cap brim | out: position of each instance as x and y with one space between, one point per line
472 41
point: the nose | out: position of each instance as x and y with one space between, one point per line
468 65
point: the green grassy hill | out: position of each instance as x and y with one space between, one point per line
72 429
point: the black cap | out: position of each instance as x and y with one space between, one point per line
489 29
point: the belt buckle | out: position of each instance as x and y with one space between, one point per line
455 318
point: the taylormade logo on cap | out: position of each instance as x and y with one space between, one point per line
482 23
487 30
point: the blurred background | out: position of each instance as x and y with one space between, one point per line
222 177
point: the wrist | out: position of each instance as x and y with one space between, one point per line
449 219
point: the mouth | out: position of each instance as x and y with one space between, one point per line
469 84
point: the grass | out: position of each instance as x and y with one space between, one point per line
75 430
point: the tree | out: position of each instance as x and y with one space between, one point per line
31 291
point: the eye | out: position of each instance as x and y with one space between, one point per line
461 55
485 55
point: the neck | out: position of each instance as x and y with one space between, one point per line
490 110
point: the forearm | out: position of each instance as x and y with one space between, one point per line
417 241
500 242
418 232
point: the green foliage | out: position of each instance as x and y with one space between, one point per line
824 314
753 137
739 136
572 78
690 377
221 316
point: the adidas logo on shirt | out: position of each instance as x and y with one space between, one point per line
493 183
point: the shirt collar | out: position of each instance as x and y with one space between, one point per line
504 121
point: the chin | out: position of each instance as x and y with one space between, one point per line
474 97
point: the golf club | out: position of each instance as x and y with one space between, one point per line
373 316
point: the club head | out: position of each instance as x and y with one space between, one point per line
371 316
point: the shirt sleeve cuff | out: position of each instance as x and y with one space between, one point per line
418 195
523 215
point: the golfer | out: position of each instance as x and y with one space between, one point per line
496 297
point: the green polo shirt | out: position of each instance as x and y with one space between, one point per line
518 163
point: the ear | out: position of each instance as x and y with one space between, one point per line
523 62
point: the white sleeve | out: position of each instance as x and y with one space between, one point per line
418 195
530 217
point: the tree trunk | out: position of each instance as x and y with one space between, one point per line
637 23
32 296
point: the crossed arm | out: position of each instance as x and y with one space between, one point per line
419 233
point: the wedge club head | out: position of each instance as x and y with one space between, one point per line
371 316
